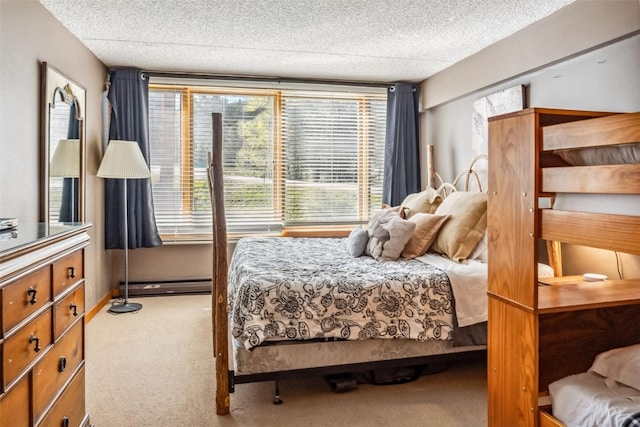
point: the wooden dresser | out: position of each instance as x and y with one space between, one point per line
42 379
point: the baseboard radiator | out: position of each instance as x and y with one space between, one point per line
168 287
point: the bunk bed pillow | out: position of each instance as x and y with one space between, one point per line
426 201
357 241
462 232
610 155
427 227
388 235
620 364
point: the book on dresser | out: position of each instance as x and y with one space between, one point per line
42 381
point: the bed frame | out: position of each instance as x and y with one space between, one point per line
226 378
553 328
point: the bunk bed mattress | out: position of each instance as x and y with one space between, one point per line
586 400
300 289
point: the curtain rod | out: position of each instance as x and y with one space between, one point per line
263 79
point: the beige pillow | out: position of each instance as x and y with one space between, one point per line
462 232
426 201
427 227
401 210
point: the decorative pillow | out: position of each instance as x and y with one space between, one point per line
374 228
468 222
388 239
620 364
357 241
382 217
426 201
427 227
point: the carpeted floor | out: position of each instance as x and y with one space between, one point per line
155 368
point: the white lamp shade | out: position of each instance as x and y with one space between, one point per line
66 159
123 159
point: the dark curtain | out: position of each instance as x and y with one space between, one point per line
129 100
402 146
69 203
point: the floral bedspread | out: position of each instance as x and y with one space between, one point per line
305 288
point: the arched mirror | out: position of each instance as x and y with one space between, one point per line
63 148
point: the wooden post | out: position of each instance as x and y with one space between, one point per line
220 266
554 252
431 171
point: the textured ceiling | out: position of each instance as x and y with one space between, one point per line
354 40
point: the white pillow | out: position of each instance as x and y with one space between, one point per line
620 364
481 251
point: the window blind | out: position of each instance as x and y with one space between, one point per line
333 157
291 157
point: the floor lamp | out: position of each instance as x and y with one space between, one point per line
124 160
65 163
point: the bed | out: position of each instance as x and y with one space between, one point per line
289 306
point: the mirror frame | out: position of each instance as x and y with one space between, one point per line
55 86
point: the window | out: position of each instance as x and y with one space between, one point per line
292 157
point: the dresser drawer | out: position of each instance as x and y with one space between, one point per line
25 296
56 367
69 410
67 311
20 349
13 411
67 271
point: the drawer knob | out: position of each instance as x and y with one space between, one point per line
32 294
71 272
74 308
37 347
65 422
63 364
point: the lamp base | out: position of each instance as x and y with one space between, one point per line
125 307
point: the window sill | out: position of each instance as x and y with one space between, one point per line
336 231
341 231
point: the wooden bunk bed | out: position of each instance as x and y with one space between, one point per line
338 356
542 331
